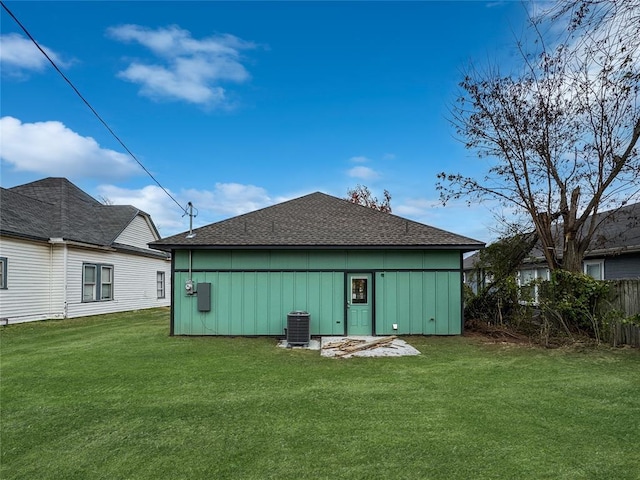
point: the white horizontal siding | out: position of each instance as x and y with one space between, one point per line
28 295
39 288
134 282
138 233
57 283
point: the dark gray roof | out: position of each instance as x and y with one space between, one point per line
25 216
470 262
617 231
56 208
56 190
318 220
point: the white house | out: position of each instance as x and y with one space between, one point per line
63 254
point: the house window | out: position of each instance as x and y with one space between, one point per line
160 284
106 283
97 282
595 269
359 290
89 283
3 272
529 283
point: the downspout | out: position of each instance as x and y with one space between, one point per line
461 293
50 278
174 292
54 242
64 290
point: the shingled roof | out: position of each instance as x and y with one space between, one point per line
617 231
320 221
56 208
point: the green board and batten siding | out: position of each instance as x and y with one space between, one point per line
355 270
252 291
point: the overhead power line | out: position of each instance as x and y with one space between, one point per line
86 102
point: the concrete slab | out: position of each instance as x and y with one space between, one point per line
314 344
397 348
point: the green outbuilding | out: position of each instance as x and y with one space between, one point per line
353 270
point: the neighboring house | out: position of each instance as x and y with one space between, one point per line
615 249
473 276
64 254
614 254
355 270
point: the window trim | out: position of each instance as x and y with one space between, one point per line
161 290
94 283
588 263
4 263
535 281
98 283
354 298
103 283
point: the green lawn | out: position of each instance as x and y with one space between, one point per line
115 397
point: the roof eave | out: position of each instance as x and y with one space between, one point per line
185 246
613 251
129 249
23 236
590 254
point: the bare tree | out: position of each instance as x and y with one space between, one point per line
361 195
562 133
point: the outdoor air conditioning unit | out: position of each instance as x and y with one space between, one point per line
298 330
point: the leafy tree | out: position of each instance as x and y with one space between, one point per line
361 195
497 298
562 132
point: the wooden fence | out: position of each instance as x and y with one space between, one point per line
624 334
625 297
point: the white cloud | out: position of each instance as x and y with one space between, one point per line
415 207
224 201
191 69
359 159
51 148
230 199
18 53
475 221
364 173
159 82
166 215
606 28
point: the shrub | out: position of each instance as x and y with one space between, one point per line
569 303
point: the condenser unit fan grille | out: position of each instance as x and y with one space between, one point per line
298 331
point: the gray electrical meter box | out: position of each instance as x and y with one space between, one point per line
203 291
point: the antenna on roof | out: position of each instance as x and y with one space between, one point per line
191 215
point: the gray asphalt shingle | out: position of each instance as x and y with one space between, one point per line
56 208
318 220
617 232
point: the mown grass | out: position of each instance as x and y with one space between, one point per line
115 397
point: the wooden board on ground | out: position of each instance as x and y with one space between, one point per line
378 342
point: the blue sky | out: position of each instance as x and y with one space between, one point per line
239 105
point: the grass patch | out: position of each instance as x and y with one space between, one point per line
115 397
